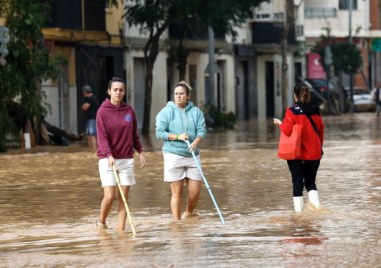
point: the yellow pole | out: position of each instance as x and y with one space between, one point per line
124 199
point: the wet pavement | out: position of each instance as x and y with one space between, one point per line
50 198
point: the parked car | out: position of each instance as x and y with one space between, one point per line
363 100
327 100
320 85
316 95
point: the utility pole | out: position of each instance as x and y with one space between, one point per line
289 22
328 62
210 70
350 41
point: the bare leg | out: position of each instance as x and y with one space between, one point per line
92 141
194 188
108 198
89 143
176 198
122 213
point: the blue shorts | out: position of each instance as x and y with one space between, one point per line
91 129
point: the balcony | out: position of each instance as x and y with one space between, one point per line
270 33
84 15
320 12
176 31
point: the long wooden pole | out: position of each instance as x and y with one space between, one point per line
124 199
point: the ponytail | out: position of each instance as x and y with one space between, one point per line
302 92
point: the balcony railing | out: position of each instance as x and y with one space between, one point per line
320 12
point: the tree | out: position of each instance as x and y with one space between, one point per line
291 13
28 64
222 16
154 16
346 57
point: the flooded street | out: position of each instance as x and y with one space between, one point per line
50 199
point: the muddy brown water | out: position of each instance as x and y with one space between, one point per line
50 197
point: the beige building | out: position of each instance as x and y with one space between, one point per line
88 36
166 74
98 44
258 61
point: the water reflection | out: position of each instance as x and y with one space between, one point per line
49 202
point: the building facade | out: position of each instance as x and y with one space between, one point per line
98 43
258 60
355 20
88 35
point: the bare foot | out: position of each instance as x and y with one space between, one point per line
188 215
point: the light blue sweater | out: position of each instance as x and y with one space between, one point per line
173 120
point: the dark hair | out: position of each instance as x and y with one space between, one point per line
115 79
87 89
185 85
302 92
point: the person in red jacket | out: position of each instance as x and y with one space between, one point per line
303 170
118 139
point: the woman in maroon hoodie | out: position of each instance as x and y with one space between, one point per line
118 139
304 169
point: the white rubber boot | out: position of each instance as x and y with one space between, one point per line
298 203
313 196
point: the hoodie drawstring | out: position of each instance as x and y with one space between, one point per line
185 120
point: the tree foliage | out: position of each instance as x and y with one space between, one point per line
153 17
346 57
28 64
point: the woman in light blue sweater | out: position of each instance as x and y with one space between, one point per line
178 121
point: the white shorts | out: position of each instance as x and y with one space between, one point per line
177 167
124 167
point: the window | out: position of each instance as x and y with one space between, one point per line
279 16
320 12
263 16
68 14
299 30
344 4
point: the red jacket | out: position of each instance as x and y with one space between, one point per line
312 142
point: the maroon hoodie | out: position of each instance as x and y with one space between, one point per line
117 133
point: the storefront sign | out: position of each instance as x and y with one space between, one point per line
315 70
